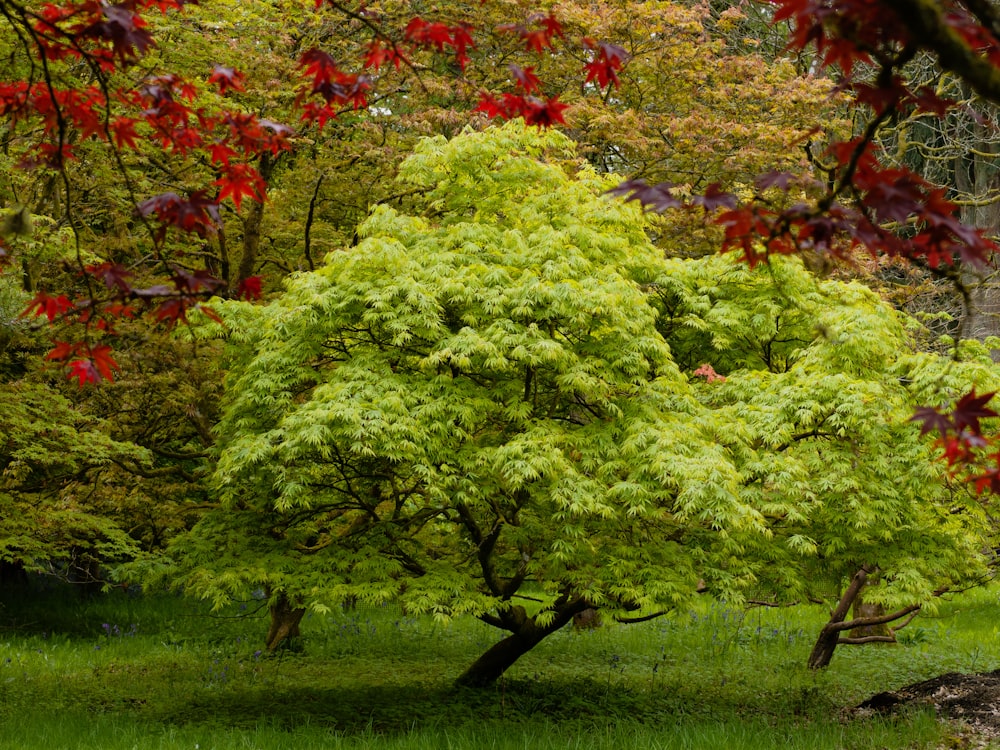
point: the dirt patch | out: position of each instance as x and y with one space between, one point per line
972 699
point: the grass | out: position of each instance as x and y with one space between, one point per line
125 672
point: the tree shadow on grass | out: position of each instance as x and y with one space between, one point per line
396 709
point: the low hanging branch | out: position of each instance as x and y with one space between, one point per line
830 636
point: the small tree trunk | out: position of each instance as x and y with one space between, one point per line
864 610
589 619
829 636
822 651
285 619
252 224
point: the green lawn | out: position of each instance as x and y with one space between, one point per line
122 672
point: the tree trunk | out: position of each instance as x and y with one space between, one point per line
589 619
822 652
490 667
526 634
829 636
866 610
285 619
252 224
976 175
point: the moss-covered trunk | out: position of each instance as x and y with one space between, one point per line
285 619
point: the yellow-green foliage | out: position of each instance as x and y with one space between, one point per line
493 390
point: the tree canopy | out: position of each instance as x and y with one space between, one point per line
494 405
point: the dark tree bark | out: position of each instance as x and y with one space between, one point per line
525 635
285 619
490 667
826 643
13 576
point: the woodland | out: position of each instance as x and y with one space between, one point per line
521 313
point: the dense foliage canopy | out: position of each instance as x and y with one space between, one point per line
496 399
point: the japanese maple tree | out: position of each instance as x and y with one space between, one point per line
507 403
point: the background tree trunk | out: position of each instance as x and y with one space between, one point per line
251 226
977 176
285 619
862 610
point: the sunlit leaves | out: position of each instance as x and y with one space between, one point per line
497 358
820 377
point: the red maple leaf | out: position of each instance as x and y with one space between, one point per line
543 113
379 54
250 288
123 132
48 305
103 361
970 409
123 29
193 282
525 78
658 198
84 370
714 197
239 181
94 365
114 275
931 420
551 25
608 60
63 350
198 213
220 152
437 35
319 65
174 310
537 40
492 106
226 78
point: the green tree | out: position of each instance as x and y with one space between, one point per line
466 402
477 411
822 378
52 458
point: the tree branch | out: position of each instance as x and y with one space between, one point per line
926 21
